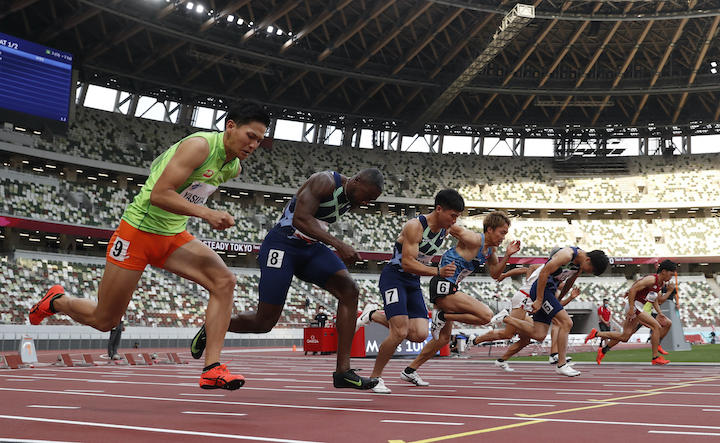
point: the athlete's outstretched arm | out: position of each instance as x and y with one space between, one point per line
411 237
513 272
573 295
191 153
568 284
496 267
319 186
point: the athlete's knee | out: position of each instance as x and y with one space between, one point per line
345 289
566 323
224 284
106 323
416 336
524 341
539 336
625 337
485 315
399 332
263 325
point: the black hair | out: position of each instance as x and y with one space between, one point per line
450 199
599 261
667 265
372 176
246 112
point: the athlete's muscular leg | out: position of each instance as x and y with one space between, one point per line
665 325
516 347
399 326
197 262
463 308
564 323
116 289
433 346
256 322
379 317
535 330
655 329
501 334
343 287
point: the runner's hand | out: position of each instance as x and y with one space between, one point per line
220 220
513 247
448 270
535 306
348 254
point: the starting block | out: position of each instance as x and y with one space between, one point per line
148 359
13 361
88 359
70 363
130 359
174 357
67 360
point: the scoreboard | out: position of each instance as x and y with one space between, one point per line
34 80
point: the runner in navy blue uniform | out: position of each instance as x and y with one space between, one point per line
566 265
419 240
297 246
472 252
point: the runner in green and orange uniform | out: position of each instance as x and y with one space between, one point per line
152 231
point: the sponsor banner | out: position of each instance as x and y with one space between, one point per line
30 224
231 246
375 334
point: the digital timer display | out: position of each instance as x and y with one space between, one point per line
36 80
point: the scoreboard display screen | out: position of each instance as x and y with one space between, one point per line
35 80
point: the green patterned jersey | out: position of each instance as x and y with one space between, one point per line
203 181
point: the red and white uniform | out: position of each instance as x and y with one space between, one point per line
521 299
647 294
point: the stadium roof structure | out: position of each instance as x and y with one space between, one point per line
617 68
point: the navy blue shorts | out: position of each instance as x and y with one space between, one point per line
550 305
281 257
401 293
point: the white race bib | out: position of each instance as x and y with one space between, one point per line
651 296
198 192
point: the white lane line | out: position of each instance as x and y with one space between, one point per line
582 393
684 433
148 429
286 380
20 379
449 423
213 413
204 395
519 404
344 399
306 387
53 407
626 385
711 410
425 389
494 382
214 402
21 440
82 390
114 375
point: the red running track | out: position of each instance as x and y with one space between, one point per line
289 398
